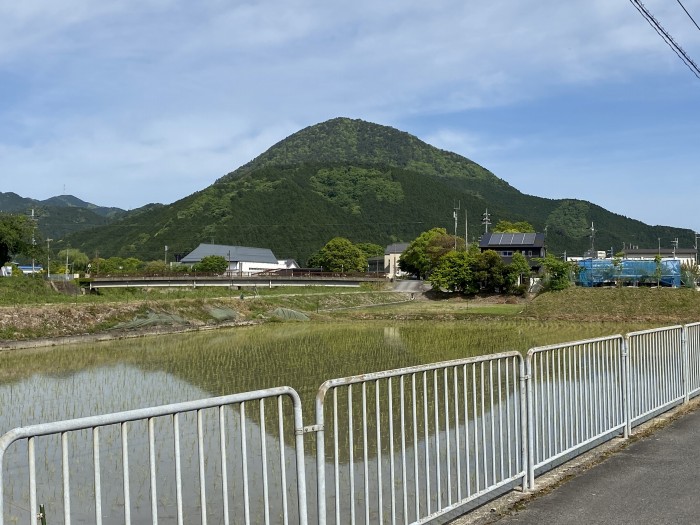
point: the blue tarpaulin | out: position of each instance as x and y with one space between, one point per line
598 272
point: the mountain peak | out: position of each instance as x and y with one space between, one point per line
347 141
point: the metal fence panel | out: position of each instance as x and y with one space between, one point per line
575 397
656 371
240 458
692 338
408 445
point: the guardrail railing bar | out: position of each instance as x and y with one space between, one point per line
152 470
125 473
224 469
244 461
202 472
96 475
178 467
263 454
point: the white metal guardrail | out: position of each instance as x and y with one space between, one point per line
692 341
658 371
227 450
575 393
412 444
400 446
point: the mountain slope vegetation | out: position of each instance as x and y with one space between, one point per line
58 217
362 181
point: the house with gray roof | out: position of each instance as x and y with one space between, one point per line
392 254
242 260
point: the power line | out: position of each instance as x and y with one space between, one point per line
654 23
687 13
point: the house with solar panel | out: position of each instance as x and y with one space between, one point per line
242 260
531 245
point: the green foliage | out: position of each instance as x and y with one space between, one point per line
422 254
340 255
156 267
519 265
455 273
77 260
16 237
513 227
115 265
470 273
212 264
570 218
558 273
346 186
690 274
370 249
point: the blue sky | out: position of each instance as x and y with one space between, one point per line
130 102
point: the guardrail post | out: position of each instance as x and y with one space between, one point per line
626 387
320 462
524 430
686 364
530 423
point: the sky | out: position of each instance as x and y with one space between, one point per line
138 101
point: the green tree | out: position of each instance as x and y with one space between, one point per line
690 273
77 260
340 254
492 273
16 237
212 264
513 227
370 250
423 254
455 273
519 267
557 272
658 269
155 267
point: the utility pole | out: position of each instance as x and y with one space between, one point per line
466 229
48 258
486 220
593 242
675 246
455 213
165 260
33 219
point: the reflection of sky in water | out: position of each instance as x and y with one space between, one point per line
45 398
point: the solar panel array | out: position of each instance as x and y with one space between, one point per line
511 239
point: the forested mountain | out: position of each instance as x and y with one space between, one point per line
362 181
59 216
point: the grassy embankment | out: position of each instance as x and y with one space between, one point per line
30 308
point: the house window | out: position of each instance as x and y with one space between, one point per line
507 253
529 253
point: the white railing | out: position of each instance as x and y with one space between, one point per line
222 450
412 444
400 446
575 392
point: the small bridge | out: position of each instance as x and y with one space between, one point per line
236 281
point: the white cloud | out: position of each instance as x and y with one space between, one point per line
150 100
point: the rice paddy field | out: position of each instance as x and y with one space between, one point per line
40 385
65 382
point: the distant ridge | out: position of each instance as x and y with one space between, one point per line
362 181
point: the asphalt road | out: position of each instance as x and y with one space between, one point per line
655 480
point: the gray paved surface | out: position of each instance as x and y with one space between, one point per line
653 481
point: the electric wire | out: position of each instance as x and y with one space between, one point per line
666 37
687 13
